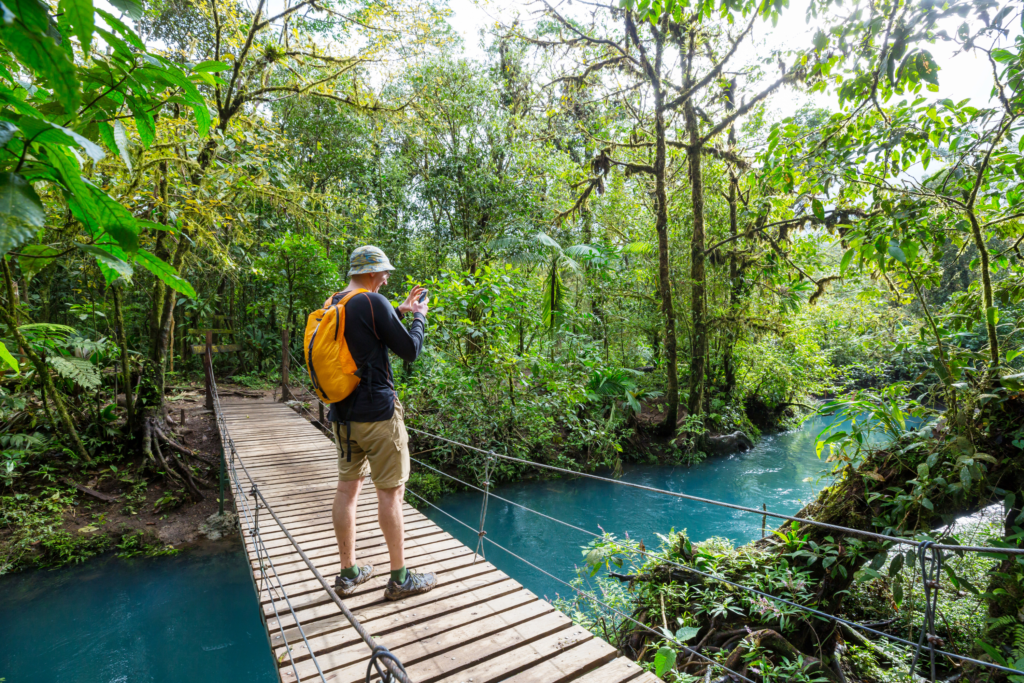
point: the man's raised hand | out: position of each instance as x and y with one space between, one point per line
411 301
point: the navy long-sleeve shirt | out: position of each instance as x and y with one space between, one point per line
372 326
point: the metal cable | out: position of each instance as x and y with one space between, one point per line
591 596
937 548
929 616
930 568
260 554
483 509
396 670
259 547
733 506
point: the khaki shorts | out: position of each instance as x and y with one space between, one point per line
379 449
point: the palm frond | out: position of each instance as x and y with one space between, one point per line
547 241
554 295
639 248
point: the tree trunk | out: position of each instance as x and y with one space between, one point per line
47 386
698 312
734 284
987 302
126 370
668 424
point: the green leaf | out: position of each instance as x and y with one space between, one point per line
45 132
927 69
130 7
32 258
143 122
211 66
166 272
910 248
21 212
897 253
847 260
897 592
121 143
79 13
896 565
922 470
32 13
112 266
820 40
818 208
992 315
7 358
664 661
122 28
107 136
965 477
687 633
105 217
168 72
1010 355
49 62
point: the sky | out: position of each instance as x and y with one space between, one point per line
960 77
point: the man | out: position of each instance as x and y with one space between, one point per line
368 426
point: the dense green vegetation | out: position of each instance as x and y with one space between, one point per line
630 251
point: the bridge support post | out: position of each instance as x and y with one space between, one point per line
286 393
221 507
208 369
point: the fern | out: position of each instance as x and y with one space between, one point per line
47 329
1002 621
78 370
1018 642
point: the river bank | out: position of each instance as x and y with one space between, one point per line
65 514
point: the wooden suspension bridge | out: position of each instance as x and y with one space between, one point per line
479 625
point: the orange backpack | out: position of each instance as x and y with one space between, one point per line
328 358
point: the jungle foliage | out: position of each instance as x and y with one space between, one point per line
629 251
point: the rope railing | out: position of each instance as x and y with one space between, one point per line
683 646
386 665
929 553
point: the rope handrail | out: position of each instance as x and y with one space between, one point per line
693 570
389 668
733 506
929 574
584 593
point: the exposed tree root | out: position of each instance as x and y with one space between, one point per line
173 468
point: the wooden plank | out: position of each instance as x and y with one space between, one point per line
568 665
200 349
442 633
215 330
476 624
619 671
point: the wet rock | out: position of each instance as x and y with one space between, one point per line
729 443
217 526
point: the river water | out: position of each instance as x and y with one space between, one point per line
782 472
191 617
194 617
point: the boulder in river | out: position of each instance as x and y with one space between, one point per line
217 526
728 443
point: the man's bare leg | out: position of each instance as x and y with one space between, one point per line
344 515
392 523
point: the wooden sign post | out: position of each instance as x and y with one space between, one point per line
208 368
286 393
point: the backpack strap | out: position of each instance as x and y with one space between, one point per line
347 421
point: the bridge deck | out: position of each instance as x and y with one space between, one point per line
478 625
